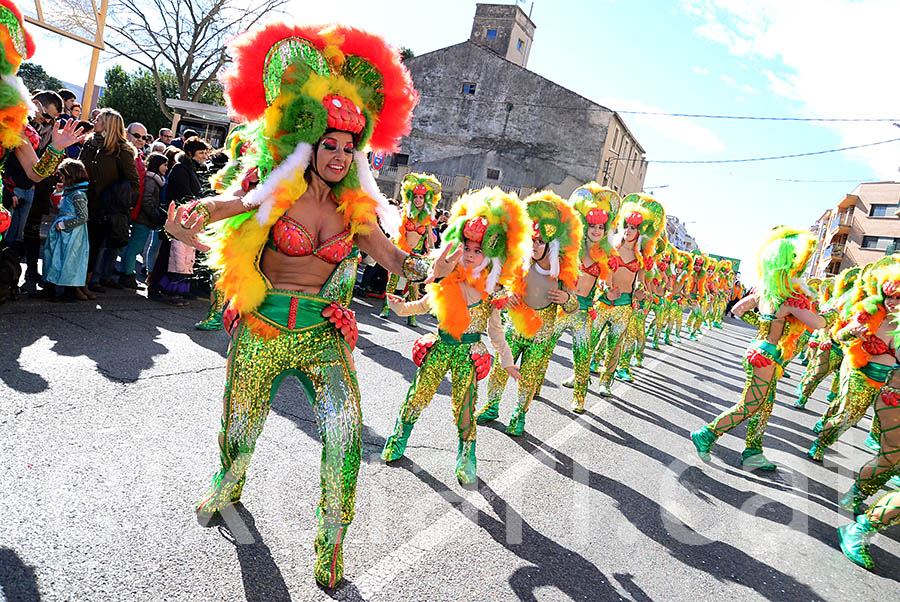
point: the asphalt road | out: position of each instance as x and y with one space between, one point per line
108 423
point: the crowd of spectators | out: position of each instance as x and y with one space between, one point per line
108 202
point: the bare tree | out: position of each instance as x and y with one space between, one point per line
185 36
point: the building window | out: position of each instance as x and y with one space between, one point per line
633 160
615 139
468 88
399 159
878 242
493 174
520 45
491 34
882 210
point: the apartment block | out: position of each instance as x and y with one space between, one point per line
859 230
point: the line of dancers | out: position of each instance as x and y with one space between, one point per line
298 205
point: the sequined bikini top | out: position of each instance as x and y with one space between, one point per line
592 270
289 237
615 262
410 226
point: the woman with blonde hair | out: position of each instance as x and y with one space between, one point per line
113 188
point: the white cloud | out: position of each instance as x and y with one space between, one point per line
833 57
683 130
729 80
749 89
700 70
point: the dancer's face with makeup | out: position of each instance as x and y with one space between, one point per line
333 156
473 256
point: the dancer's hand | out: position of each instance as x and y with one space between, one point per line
558 296
444 264
513 301
393 301
858 330
67 135
612 293
514 372
185 230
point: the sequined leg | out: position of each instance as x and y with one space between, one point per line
413 293
213 319
877 471
390 289
581 325
886 511
618 317
816 371
856 396
425 384
535 358
757 389
498 378
464 398
679 319
253 367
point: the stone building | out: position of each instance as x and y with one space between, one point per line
678 235
484 119
859 230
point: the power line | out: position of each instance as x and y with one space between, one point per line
772 158
761 118
822 181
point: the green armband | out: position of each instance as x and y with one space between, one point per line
751 318
415 267
49 161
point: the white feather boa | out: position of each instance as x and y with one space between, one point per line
263 196
389 216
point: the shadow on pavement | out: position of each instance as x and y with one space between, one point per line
17 580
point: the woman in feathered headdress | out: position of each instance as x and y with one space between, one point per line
867 335
635 337
642 221
492 229
536 297
287 241
697 292
660 287
724 281
681 284
17 137
421 193
785 312
598 209
874 474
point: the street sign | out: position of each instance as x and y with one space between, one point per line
378 158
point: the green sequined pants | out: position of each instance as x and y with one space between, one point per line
321 361
756 401
611 323
886 462
855 397
535 355
440 359
635 339
413 290
820 366
584 339
886 511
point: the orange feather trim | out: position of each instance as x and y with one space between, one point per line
448 304
525 319
601 258
358 209
568 255
260 328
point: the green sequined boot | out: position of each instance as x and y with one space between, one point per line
395 445
213 321
624 374
385 310
895 481
516 424
820 424
854 500
703 440
569 383
489 412
801 401
603 390
596 367
855 541
411 321
666 339
224 493
329 546
753 459
816 451
872 443
466 463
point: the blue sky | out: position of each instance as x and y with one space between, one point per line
799 58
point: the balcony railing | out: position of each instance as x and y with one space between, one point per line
835 251
842 220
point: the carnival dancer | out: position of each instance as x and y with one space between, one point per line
636 333
598 208
493 229
696 293
681 284
824 354
870 354
785 312
854 538
642 219
421 193
287 251
725 278
546 288
17 137
661 284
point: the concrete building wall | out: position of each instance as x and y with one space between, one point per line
511 25
623 166
533 132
